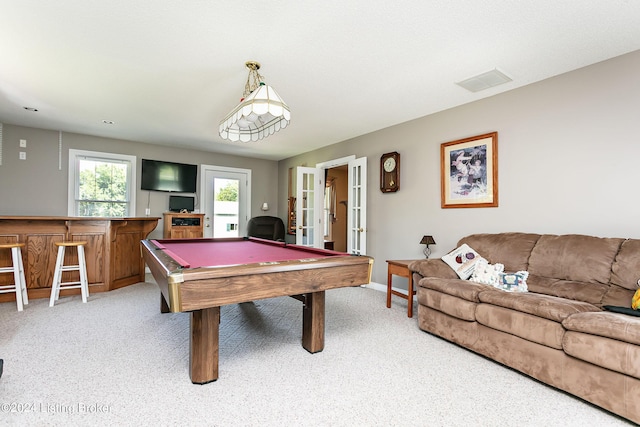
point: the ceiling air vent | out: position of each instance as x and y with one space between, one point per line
484 81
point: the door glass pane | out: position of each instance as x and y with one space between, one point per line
308 205
226 207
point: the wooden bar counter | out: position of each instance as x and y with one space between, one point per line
113 255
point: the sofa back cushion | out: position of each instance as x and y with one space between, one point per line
626 267
510 249
574 257
593 293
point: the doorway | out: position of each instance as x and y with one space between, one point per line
336 199
310 216
226 195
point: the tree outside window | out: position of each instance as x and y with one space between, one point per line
101 184
228 193
102 190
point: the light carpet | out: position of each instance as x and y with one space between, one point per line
118 361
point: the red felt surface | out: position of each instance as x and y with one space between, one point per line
203 253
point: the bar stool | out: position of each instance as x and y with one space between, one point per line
81 268
19 285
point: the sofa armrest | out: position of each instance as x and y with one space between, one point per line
432 268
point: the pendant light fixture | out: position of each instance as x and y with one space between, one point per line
260 113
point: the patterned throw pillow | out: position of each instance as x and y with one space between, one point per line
513 282
485 273
463 260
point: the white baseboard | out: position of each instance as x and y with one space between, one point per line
383 288
376 286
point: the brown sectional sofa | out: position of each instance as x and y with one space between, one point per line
558 331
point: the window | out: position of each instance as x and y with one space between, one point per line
101 184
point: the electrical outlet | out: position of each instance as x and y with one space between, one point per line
147 211
23 155
23 143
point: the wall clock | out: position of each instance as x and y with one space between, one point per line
390 172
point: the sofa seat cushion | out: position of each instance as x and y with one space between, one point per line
619 296
545 306
527 326
606 324
606 352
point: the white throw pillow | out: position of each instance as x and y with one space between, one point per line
485 273
462 260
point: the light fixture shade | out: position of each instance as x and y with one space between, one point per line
427 240
259 115
265 206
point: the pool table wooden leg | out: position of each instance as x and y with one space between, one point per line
204 345
164 307
313 322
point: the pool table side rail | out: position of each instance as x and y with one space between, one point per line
161 273
257 284
198 288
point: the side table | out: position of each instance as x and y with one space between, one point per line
400 268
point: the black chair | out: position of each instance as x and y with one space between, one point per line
266 227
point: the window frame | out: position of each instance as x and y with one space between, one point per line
74 185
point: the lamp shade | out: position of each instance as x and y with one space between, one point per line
427 240
259 115
261 111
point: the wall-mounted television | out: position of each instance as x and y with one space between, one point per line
180 203
167 176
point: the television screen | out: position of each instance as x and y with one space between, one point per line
167 176
178 203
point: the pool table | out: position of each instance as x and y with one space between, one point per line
200 275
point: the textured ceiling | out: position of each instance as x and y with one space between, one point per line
166 72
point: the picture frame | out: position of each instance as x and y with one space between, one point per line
469 172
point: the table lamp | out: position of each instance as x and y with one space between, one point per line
427 240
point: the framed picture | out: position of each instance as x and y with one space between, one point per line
469 172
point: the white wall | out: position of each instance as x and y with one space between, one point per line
568 151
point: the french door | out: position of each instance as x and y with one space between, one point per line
309 205
357 207
225 200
